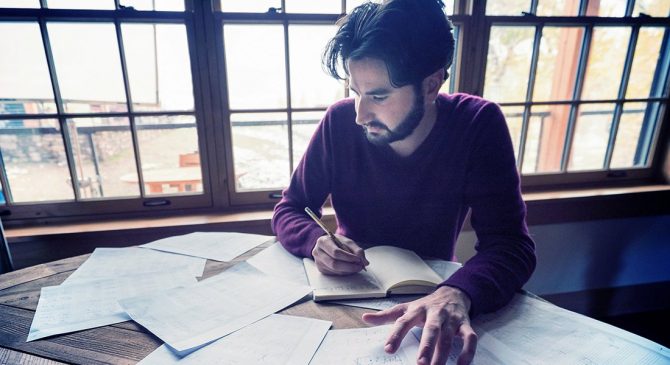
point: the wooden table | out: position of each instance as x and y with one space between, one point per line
122 343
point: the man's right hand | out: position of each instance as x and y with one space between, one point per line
332 260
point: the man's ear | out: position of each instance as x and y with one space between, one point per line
432 84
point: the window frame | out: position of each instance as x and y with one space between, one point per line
473 79
127 206
205 32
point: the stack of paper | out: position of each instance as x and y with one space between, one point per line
531 331
276 261
74 307
219 246
89 297
110 263
364 346
188 318
276 339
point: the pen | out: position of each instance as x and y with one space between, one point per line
330 234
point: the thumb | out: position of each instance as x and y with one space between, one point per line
384 316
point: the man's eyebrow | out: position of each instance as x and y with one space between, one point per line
378 91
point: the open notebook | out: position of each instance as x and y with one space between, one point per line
392 270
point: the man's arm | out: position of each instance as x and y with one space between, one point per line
309 187
505 256
505 253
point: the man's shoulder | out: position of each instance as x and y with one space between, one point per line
342 108
468 111
463 102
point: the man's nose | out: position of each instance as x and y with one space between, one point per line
363 113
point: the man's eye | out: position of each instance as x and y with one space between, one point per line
379 97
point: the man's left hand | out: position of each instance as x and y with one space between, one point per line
442 314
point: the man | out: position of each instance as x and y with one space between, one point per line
403 164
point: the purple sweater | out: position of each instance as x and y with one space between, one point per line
419 202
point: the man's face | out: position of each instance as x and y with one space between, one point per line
386 113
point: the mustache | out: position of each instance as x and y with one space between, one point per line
376 124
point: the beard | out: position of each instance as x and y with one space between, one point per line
402 131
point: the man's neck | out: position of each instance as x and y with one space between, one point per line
410 144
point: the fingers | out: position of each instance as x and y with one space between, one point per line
469 344
355 249
332 260
436 337
402 326
443 347
404 322
385 316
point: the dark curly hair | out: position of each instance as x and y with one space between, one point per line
413 37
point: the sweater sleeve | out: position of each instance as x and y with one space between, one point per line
505 256
309 187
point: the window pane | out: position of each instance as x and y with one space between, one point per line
310 85
605 64
449 85
546 137
508 63
557 7
255 66
81 4
160 5
304 125
591 137
34 4
24 59
35 161
88 67
249 6
628 136
606 8
169 154
514 118
660 8
507 7
159 70
3 200
103 154
311 6
646 60
557 63
260 151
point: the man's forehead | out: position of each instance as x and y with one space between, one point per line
370 74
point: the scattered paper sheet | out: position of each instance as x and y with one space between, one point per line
109 263
277 339
187 318
531 331
364 346
276 261
219 246
78 306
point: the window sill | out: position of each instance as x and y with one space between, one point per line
543 208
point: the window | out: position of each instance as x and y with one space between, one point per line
276 91
135 106
582 85
97 107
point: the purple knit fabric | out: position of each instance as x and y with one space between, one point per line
419 202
